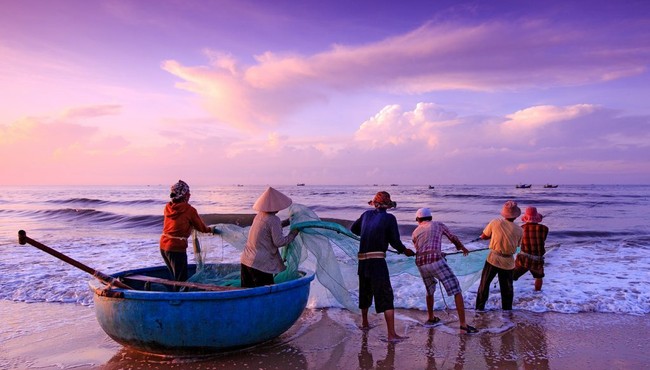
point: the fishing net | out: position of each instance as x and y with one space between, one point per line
327 248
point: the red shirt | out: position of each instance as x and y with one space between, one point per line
180 219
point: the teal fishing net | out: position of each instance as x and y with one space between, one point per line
327 248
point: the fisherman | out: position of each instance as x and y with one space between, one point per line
531 256
179 220
427 239
505 237
377 229
261 258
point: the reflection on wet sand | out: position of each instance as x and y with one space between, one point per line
525 347
431 350
284 357
504 356
446 355
389 361
533 343
366 360
460 355
365 356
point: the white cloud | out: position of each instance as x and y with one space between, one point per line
393 126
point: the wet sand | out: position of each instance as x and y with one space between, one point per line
66 336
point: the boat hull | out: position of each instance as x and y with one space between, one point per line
198 322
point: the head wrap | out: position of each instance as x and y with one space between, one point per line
179 190
382 200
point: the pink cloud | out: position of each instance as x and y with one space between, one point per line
460 148
482 57
38 149
232 99
93 111
528 121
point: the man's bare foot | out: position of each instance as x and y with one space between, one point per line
395 338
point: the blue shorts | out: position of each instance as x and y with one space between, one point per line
374 282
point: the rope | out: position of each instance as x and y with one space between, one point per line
443 298
221 237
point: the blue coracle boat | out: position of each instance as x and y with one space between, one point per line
196 322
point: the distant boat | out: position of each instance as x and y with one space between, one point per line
549 186
393 184
431 187
523 186
301 184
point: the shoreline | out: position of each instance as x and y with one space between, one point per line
53 335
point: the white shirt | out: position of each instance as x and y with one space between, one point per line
264 240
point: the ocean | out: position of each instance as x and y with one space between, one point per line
601 264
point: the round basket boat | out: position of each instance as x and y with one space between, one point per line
196 322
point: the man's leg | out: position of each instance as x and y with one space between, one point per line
430 307
364 318
427 272
483 292
538 274
389 315
365 300
460 308
507 291
168 263
518 272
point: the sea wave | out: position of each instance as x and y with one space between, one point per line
573 283
591 234
101 202
88 216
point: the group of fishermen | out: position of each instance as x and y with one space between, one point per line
377 229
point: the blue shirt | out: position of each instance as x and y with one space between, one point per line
377 229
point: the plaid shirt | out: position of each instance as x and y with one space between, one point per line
533 239
427 239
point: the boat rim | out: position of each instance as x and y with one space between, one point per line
98 286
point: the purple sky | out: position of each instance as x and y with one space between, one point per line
324 92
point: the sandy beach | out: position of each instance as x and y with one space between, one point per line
66 336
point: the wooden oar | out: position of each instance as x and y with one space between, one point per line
188 284
23 239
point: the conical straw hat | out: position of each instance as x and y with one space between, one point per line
272 201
